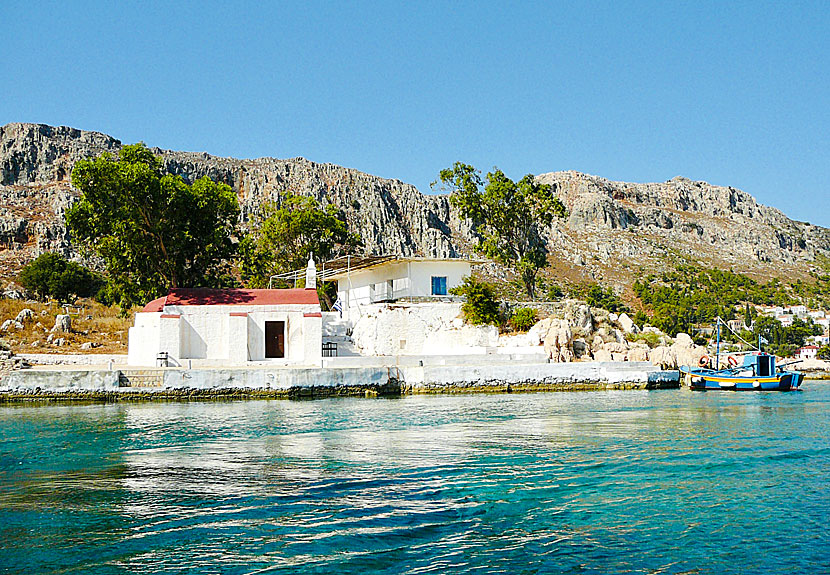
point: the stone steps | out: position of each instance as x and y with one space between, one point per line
141 378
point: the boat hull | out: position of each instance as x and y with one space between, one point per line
703 380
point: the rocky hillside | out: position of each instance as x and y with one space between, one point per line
614 232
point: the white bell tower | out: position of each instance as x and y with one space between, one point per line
310 274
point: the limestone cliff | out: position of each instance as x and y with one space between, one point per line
614 231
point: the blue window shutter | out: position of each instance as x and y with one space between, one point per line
439 285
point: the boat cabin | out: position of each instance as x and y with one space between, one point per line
758 365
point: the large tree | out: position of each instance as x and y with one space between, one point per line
508 216
286 233
154 231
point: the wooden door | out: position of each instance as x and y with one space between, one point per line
274 339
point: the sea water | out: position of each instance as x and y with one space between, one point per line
583 482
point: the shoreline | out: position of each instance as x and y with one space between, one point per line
166 384
307 393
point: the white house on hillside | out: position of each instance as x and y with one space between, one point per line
229 327
380 279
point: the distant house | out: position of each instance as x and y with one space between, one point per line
736 325
381 279
797 310
807 352
820 340
233 326
786 320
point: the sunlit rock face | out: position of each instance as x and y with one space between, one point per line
614 232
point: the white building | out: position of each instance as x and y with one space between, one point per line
797 310
229 327
381 279
807 352
786 320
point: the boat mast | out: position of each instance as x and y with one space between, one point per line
717 350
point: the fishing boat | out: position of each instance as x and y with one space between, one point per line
751 371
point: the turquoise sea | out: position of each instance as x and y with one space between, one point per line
604 482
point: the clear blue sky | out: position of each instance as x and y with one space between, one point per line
728 92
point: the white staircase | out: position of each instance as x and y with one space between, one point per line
338 331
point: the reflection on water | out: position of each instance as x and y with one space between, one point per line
617 482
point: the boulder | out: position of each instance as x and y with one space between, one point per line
25 314
90 345
664 357
11 324
580 347
689 356
684 340
13 293
558 340
603 355
63 323
638 352
584 321
627 324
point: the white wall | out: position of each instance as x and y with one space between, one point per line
422 273
409 279
210 333
144 339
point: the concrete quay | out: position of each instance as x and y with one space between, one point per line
379 378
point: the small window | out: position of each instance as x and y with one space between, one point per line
439 285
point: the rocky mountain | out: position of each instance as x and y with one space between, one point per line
614 232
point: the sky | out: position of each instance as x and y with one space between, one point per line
733 93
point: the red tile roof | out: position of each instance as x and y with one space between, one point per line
156 305
201 296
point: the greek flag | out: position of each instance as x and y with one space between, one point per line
762 339
338 307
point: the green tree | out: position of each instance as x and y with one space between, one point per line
523 318
480 304
52 275
153 230
286 233
605 298
508 216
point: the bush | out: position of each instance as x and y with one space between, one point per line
649 338
480 305
597 296
523 319
554 293
52 275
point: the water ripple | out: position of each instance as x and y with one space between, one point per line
616 482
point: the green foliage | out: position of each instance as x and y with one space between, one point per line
508 216
554 293
597 296
650 338
693 295
287 233
480 305
523 318
640 318
52 275
783 341
816 294
153 230
824 352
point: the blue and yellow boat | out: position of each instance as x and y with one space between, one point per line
757 371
